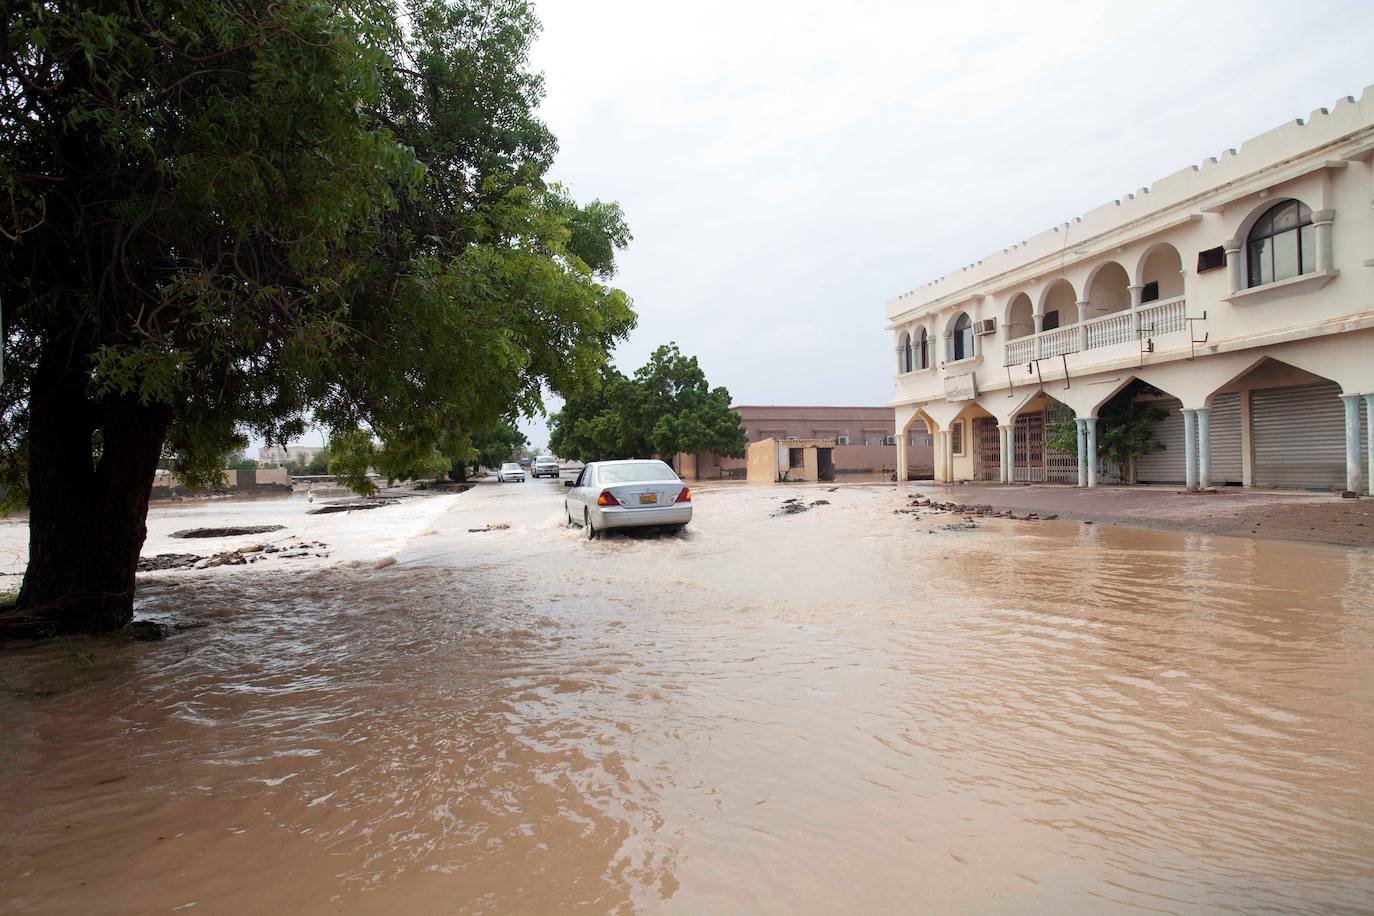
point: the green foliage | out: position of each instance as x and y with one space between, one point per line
666 408
503 442
263 216
1124 430
238 461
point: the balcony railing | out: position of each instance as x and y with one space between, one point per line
1117 328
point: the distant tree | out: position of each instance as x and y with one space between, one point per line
227 217
491 449
666 408
237 461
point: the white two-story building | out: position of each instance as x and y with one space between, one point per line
1235 297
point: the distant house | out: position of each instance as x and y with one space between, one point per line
278 455
864 441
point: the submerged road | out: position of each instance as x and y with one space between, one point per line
840 710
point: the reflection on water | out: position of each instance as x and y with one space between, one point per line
843 709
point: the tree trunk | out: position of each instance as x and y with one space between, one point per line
87 518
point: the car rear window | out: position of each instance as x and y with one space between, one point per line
635 473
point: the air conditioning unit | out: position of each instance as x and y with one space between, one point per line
843 440
985 327
890 440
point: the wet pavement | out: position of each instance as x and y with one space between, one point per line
843 709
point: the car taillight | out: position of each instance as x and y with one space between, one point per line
685 496
606 499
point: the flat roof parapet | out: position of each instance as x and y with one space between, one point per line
1287 141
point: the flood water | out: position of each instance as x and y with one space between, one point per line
840 710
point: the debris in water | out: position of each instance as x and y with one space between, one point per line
225 532
499 526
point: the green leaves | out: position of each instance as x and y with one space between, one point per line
270 215
665 409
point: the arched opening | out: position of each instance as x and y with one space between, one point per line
1060 305
923 350
904 352
920 454
1107 290
961 338
1282 244
1020 317
1041 452
1161 274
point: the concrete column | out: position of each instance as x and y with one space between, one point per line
1136 292
1235 264
1321 224
1039 322
1082 328
1369 445
1091 424
903 437
1081 429
1353 462
1247 441
949 454
944 348
1204 447
1004 439
1190 448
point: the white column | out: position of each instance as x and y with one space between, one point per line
1353 462
1081 429
1235 265
949 453
1082 328
1369 445
1321 224
944 348
1004 439
1204 447
1190 448
1091 424
1136 292
902 438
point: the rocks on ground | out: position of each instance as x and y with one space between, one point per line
969 513
292 549
795 506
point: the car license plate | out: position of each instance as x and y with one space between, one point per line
648 498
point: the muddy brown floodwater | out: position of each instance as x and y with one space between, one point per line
838 710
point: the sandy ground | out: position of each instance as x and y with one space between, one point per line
1272 514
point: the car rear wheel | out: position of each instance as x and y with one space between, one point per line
587 524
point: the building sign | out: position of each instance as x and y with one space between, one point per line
960 387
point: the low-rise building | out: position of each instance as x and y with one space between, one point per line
272 455
791 460
864 440
1237 296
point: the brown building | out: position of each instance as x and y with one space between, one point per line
864 439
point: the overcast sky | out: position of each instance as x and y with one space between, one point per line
787 167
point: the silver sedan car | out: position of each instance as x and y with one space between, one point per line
627 494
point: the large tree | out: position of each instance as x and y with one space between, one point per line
221 217
667 407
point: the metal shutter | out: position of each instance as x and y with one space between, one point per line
1299 436
1166 465
1227 466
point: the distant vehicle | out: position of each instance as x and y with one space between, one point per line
510 473
524 462
545 466
627 494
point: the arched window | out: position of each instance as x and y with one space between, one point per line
923 351
961 338
904 353
1281 244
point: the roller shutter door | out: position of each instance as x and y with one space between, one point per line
1164 465
1227 466
1299 436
